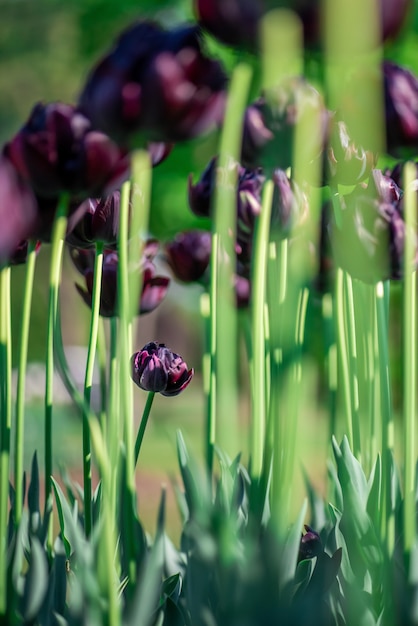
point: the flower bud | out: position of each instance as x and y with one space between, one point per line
155 368
188 255
99 222
310 544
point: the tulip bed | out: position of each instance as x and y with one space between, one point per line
308 212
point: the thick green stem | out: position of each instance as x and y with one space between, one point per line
21 379
223 297
58 234
258 420
88 382
5 425
143 424
409 367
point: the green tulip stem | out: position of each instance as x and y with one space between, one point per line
409 368
258 420
88 382
143 424
102 356
5 425
381 299
58 234
21 380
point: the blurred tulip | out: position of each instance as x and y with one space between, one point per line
345 162
18 209
401 103
57 151
290 206
270 124
369 242
310 544
157 84
188 255
154 288
155 368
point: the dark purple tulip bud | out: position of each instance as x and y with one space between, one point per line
369 242
57 151
250 184
290 205
188 255
201 194
345 162
157 85
310 544
155 368
154 288
270 123
401 104
99 222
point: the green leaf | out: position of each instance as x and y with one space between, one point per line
71 534
33 497
36 581
290 552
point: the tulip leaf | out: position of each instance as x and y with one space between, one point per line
36 581
68 526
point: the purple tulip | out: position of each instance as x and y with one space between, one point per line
290 206
345 162
270 123
57 151
188 255
155 85
369 242
155 368
310 544
401 103
236 22
18 209
154 288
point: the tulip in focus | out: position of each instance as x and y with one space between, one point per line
155 368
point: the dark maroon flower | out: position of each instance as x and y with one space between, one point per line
156 84
290 206
201 194
57 151
155 368
188 255
270 123
154 288
401 103
249 186
234 22
310 544
99 222
369 241
18 209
